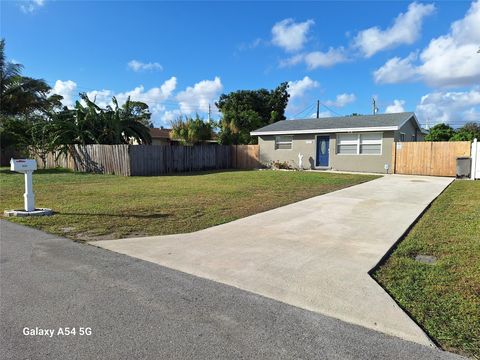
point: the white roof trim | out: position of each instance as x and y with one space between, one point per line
324 131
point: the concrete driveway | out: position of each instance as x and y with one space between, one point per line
314 254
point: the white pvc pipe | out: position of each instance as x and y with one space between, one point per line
29 196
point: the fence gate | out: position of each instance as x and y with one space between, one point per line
428 158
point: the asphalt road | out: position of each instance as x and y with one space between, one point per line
137 309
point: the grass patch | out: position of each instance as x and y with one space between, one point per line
443 297
90 206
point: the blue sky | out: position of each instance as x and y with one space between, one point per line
180 56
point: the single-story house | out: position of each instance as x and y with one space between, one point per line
161 136
346 143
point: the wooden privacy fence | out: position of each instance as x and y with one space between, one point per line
104 159
144 160
428 158
245 156
164 159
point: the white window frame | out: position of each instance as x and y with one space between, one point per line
359 143
284 142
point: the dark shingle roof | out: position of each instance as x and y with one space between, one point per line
340 122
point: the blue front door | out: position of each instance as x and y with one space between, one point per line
323 143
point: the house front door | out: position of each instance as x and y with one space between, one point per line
323 143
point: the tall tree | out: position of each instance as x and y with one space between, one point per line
440 132
88 123
467 132
122 124
246 110
24 101
21 95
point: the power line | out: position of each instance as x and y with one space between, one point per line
333 111
310 107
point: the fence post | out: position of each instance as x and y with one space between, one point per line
394 156
474 159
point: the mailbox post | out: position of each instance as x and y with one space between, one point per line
27 167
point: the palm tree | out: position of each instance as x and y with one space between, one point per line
126 123
21 95
24 102
88 123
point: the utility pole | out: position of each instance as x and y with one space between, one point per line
318 109
209 112
374 106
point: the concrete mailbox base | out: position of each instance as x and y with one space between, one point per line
36 212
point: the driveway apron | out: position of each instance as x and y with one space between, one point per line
314 254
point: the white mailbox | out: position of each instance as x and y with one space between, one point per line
26 166
22 165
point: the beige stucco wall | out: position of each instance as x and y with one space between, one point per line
363 163
412 133
303 144
159 141
306 145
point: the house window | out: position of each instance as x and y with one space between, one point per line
371 143
402 137
359 144
283 142
347 144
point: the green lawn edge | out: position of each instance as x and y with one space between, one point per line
97 206
443 297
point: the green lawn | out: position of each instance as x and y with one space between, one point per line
443 297
90 206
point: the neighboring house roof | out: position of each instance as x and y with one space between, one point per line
379 122
157 133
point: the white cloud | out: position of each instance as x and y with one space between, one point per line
291 61
298 88
316 59
341 100
321 114
153 97
162 101
396 107
67 89
449 107
137 66
325 59
170 115
449 60
405 30
197 97
396 70
31 5
289 35
452 59
251 45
